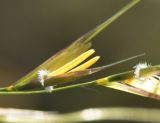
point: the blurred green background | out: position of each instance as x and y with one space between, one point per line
33 30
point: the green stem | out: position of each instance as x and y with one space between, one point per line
2 89
149 115
113 114
46 91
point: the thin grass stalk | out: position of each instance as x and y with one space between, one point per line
150 115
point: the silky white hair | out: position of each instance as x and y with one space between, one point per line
41 76
138 68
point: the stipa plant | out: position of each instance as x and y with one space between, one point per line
71 64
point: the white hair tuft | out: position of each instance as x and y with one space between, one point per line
42 74
138 68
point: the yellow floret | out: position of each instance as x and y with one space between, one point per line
72 63
86 64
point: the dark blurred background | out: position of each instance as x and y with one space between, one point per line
33 30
